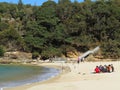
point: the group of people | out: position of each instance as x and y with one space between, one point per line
106 68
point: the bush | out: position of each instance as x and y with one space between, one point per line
50 53
35 55
2 51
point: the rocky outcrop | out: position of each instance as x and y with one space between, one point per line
17 55
72 54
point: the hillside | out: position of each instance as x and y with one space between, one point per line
56 29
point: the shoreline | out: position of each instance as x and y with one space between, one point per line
23 76
78 78
63 70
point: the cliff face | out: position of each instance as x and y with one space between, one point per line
74 54
17 55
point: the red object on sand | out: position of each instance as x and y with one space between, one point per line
97 70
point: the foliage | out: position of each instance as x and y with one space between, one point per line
53 29
35 55
50 52
2 51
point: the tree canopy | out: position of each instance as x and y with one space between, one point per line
53 29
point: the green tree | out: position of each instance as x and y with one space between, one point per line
11 39
2 51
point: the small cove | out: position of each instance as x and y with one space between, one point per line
15 75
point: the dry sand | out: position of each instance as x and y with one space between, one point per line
80 77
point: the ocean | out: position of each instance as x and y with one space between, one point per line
16 75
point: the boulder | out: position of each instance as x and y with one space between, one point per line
18 55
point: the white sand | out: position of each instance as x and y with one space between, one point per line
79 78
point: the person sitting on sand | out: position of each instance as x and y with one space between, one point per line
101 68
112 67
97 70
105 68
109 69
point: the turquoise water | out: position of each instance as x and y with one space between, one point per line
14 75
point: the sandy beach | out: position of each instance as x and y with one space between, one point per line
78 77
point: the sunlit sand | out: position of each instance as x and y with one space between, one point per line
78 77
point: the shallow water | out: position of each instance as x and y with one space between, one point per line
14 75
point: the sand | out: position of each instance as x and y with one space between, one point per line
78 77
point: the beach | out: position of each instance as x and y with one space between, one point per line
78 77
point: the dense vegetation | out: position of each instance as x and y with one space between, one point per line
53 29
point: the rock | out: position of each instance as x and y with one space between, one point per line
72 54
18 55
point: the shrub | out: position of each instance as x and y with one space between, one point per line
2 51
35 55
